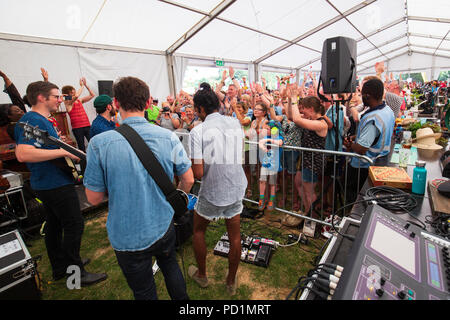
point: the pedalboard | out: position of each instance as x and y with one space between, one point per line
254 250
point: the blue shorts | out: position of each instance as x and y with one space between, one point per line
290 159
211 212
309 176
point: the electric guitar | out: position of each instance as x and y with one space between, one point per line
42 137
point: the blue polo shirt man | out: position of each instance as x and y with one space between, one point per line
373 137
104 106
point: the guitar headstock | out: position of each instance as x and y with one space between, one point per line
30 132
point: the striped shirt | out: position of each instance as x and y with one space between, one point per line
78 117
394 102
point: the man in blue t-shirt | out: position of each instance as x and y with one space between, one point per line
53 186
104 106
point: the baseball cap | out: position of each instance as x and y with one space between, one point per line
102 101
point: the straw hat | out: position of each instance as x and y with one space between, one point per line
426 139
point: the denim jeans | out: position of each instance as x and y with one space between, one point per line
64 227
137 269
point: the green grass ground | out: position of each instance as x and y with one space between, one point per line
255 283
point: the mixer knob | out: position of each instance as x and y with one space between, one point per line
382 281
379 292
401 295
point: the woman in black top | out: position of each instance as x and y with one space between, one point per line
314 132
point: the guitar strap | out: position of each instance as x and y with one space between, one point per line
154 168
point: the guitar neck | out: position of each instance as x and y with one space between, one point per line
80 154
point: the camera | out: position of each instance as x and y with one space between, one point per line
165 109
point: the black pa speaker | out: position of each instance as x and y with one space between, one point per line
339 65
105 87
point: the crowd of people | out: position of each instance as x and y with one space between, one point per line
247 131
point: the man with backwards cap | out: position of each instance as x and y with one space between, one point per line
105 111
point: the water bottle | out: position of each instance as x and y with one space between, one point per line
419 178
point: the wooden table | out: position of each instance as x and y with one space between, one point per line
423 207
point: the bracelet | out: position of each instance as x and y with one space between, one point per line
233 78
271 105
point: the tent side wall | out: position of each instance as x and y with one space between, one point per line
21 62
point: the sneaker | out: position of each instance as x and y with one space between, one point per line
88 278
270 206
193 273
292 221
231 289
261 204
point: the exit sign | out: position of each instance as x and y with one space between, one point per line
220 63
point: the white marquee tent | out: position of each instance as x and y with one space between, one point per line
156 40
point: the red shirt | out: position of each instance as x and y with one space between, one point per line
78 117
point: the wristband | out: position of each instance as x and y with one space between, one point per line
233 78
271 105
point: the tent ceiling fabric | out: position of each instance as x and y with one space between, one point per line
247 30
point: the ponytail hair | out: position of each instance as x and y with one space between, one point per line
205 97
314 103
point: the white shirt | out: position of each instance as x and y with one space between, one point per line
218 142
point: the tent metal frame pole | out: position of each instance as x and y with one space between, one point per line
429 47
440 43
383 28
314 30
171 75
407 25
76 44
205 58
420 35
430 54
236 24
383 44
381 55
256 66
426 19
396 56
222 6
346 18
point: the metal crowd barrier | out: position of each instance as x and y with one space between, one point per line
334 185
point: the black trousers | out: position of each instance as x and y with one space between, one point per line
137 269
64 227
80 134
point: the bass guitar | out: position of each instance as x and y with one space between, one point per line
42 137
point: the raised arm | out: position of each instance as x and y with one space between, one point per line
235 81
267 99
91 93
219 87
6 79
13 93
44 74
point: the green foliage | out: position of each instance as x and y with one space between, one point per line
417 77
444 76
413 127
